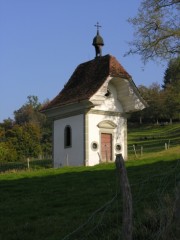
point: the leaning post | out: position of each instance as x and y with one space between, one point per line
127 198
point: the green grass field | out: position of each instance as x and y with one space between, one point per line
48 204
153 138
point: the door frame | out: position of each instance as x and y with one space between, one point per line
106 131
111 147
108 127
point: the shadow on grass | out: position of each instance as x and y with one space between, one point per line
50 204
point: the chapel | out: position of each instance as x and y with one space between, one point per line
90 113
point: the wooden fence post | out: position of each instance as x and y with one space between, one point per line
134 147
165 146
127 198
177 213
141 150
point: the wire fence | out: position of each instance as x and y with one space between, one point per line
133 149
25 165
143 148
137 211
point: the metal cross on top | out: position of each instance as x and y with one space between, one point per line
98 26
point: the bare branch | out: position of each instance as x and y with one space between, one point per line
156 30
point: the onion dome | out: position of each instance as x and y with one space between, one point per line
98 42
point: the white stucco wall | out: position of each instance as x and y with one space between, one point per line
85 131
112 105
73 155
111 102
119 136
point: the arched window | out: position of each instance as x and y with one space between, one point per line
67 137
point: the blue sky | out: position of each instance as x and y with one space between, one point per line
43 41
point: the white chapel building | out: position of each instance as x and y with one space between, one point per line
90 113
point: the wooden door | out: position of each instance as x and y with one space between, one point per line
106 147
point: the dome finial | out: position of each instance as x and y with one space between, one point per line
98 42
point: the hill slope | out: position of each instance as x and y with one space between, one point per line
49 204
153 138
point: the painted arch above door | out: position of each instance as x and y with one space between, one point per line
107 124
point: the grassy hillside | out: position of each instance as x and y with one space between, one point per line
153 138
49 204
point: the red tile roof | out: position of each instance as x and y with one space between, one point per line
87 79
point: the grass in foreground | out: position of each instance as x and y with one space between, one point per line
49 204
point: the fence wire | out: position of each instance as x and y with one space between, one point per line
154 211
25 165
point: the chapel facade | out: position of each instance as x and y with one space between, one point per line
90 113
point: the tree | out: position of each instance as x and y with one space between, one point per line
141 115
171 89
29 135
29 112
154 100
156 30
25 140
7 152
172 73
7 124
171 102
156 110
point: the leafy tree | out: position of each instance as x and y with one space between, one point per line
155 111
156 30
29 135
26 140
7 124
171 103
29 112
172 73
154 100
141 115
171 89
46 140
34 102
7 152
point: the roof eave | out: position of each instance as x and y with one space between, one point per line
66 109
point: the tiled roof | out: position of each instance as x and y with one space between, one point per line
87 79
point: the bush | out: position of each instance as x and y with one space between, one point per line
7 152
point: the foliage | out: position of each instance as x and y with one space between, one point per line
7 152
28 136
154 98
171 89
172 73
172 101
156 30
25 140
29 112
163 103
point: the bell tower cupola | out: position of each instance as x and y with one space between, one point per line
98 42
